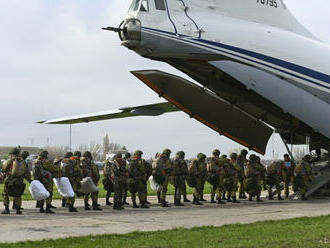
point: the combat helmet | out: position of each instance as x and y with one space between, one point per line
118 155
201 156
43 154
127 155
77 154
180 154
244 152
167 152
87 154
307 158
68 155
14 151
233 155
138 153
216 152
25 154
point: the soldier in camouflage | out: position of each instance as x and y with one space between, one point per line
180 173
215 176
162 168
198 172
231 184
127 158
273 179
44 171
263 172
118 176
287 173
107 182
242 162
89 169
148 169
70 168
137 175
303 176
253 179
15 170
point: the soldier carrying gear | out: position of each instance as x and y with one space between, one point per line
89 169
287 173
242 162
263 172
44 171
107 182
127 158
215 176
253 179
274 173
137 179
118 176
303 176
70 168
162 168
15 170
25 154
232 170
198 172
180 173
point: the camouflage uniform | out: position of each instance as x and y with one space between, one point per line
242 162
44 171
287 174
303 177
70 168
233 170
215 176
107 183
89 169
274 173
148 168
118 176
198 172
15 171
162 168
127 159
137 175
253 179
180 172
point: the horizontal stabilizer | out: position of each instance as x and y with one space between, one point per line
144 110
209 109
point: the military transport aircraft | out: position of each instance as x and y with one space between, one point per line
259 68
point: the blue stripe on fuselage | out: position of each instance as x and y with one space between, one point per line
284 64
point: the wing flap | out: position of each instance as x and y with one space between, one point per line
209 109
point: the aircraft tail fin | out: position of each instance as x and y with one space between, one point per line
271 12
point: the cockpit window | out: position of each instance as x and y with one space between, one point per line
134 6
144 5
160 4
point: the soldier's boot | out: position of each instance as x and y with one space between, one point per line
107 202
177 202
235 200
212 199
124 199
6 211
41 209
72 209
87 206
229 199
51 206
258 199
240 196
143 205
244 196
158 197
37 204
250 197
134 204
185 199
164 204
63 203
224 196
202 198
18 211
96 207
48 209
220 202
117 206
279 197
15 207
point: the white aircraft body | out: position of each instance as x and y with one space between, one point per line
259 68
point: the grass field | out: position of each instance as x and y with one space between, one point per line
301 232
102 192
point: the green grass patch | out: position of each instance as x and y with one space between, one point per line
300 232
102 192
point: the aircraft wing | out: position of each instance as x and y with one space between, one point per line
209 109
144 110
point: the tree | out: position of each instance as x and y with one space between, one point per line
106 145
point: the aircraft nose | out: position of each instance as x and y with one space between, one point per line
130 33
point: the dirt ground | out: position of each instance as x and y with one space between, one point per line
35 226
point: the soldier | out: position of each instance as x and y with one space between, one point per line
44 171
127 158
148 168
137 175
107 182
198 171
253 179
303 176
215 176
242 161
15 171
263 172
274 173
162 167
89 169
180 173
118 176
287 173
232 171
70 168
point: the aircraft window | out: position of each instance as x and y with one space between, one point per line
135 5
160 4
144 5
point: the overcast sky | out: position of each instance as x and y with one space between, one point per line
56 61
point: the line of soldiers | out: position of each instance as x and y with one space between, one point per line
227 176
